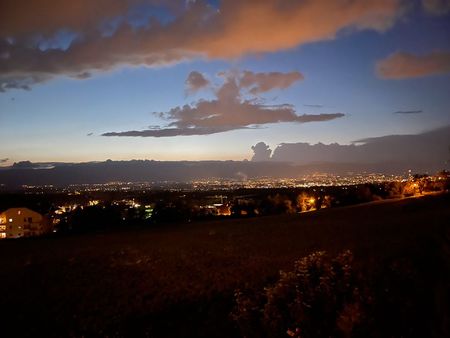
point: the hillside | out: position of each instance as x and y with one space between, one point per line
179 281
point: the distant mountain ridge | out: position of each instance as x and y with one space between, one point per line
180 171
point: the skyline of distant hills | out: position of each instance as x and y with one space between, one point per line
184 171
395 154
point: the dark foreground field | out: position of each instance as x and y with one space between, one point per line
179 281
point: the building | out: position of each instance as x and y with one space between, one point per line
21 222
223 210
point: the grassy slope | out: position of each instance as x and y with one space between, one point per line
179 281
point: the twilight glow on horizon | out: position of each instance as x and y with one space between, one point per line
206 80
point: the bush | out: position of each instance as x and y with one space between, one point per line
321 297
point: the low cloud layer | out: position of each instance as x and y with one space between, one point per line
426 151
402 65
236 106
41 39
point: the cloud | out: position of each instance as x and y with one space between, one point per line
436 7
42 39
82 76
401 65
195 81
409 112
230 109
234 107
264 82
21 81
313 105
21 17
423 152
261 152
168 132
89 134
24 84
4 160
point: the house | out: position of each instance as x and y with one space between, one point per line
21 222
223 210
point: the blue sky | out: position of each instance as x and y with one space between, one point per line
63 119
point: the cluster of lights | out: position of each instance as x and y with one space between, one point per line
211 184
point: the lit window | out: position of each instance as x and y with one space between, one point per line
19 212
10 220
2 227
2 235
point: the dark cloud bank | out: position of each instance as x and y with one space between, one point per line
428 151
395 154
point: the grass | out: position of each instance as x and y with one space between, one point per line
178 281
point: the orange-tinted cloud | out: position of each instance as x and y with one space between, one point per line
264 82
196 30
271 25
402 65
233 108
436 7
19 18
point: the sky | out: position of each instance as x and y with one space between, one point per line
207 80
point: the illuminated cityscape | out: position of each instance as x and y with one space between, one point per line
223 184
